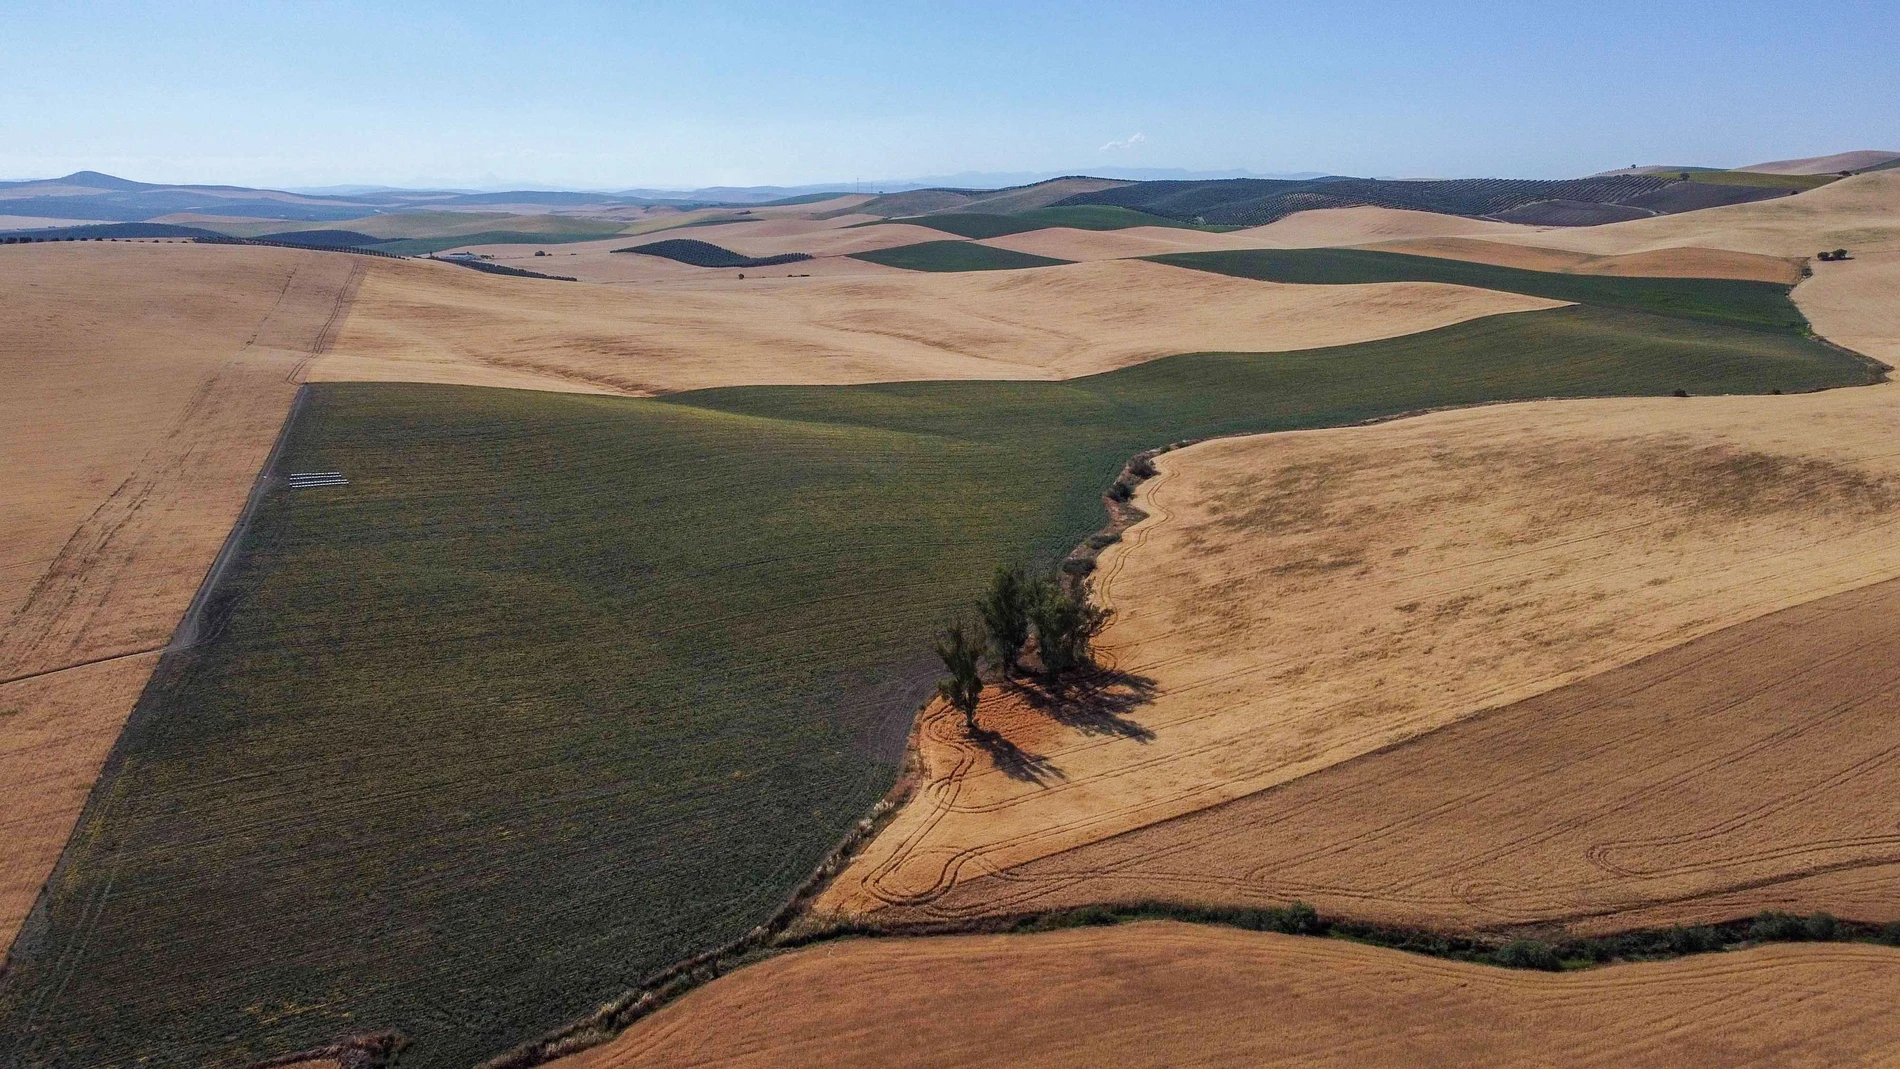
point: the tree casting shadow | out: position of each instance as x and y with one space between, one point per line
1094 704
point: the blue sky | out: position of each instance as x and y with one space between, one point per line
597 95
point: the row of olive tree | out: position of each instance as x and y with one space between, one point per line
1016 610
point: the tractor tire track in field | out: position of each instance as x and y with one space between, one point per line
75 598
1752 759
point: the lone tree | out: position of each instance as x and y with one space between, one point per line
1005 608
1066 625
959 647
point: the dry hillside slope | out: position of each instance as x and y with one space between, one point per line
1748 770
141 386
1295 600
430 322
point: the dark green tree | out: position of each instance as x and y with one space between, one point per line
959 646
1066 624
1005 607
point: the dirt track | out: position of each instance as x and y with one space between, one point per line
1167 994
142 386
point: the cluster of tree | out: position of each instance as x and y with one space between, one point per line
1837 254
1015 611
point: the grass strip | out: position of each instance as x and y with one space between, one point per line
1733 302
1760 180
427 246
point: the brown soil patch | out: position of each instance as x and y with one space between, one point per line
1747 770
429 322
1296 600
1170 994
142 386
1687 262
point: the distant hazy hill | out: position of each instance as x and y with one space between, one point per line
1863 160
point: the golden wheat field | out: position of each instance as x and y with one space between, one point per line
1163 994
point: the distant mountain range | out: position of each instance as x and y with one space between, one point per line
1223 197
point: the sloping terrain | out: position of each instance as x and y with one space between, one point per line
1166 995
140 388
1862 160
617 672
1687 262
955 256
1256 201
1754 305
972 224
434 323
1297 600
995 202
706 254
1744 771
1858 212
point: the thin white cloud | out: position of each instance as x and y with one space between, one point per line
1129 142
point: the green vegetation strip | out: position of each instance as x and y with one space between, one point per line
955 256
561 690
980 225
706 254
1763 181
1755 305
426 246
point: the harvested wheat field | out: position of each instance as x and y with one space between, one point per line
1310 229
427 322
141 387
1752 769
1298 599
827 240
1171 994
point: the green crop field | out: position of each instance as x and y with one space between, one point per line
1101 217
706 254
980 225
426 246
954 256
1754 305
562 689
1769 181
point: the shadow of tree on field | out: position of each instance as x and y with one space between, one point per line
1014 761
1094 704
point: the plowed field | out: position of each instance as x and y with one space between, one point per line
1166 995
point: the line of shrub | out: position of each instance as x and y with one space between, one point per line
1509 950
484 265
